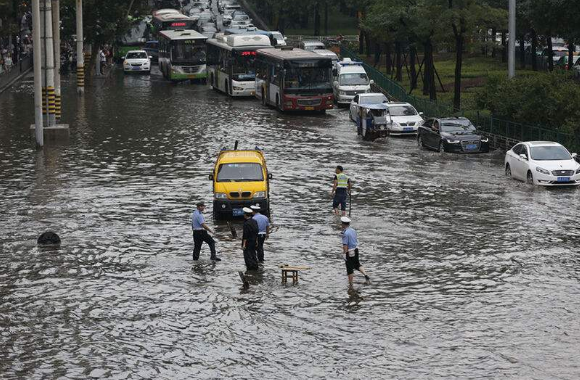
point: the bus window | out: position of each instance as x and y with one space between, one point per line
185 51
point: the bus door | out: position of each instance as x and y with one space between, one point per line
275 84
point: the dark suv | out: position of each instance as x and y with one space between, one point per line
454 134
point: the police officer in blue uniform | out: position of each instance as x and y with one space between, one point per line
340 190
350 250
200 233
263 230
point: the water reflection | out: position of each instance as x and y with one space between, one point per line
468 268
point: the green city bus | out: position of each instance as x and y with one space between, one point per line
182 55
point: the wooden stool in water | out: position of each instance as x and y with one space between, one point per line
291 271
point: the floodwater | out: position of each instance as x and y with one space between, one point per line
474 276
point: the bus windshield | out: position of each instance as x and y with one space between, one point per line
308 75
188 52
243 66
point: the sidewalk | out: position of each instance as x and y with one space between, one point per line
15 74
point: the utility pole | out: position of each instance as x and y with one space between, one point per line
56 31
512 40
48 60
80 56
38 127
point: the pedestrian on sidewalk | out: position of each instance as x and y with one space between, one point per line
340 190
250 240
201 233
263 230
350 250
103 59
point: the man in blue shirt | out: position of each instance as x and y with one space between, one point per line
200 233
350 250
263 230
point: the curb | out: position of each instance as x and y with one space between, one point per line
6 87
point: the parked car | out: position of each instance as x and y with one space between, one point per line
563 62
454 134
542 163
137 61
365 100
403 119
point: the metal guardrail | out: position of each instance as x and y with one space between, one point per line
295 39
509 130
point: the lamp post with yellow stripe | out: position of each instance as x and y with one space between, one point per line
80 56
48 62
56 31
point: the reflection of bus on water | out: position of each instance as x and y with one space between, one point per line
182 55
231 62
171 21
294 79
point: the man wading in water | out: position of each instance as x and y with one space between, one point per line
350 250
200 233
250 240
340 189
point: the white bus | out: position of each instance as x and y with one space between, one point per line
182 55
231 62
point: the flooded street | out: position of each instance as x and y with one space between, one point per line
474 276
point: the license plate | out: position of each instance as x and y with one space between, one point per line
136 69
563 179
237 212
408 129
471 147
309 108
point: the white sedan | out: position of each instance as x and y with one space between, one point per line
137 61
542 163
365 99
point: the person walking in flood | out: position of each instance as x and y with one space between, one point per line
340 190
263 230
201 233
350 250
250 240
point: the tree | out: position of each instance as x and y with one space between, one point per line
466 17
104 20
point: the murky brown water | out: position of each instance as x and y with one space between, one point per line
474 276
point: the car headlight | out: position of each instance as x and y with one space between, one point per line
260 194
125 63
578 171
236 88
342 93
484 140
542 170
453 141
220 196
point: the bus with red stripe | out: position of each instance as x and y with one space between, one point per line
294 79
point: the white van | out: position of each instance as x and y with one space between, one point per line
350 79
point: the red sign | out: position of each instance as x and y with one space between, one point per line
178 24
248 53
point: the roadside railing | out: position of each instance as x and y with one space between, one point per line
296 39
486 123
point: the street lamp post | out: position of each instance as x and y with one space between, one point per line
80 54
512 40
39 128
